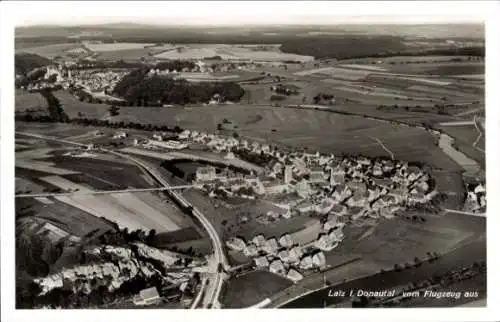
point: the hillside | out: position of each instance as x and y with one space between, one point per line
25 62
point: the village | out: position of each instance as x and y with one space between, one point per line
338 190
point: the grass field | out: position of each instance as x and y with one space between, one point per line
228 52
249 289
70 219
50 51
72 106
30 102
115 46
126 209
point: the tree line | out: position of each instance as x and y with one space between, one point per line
139 89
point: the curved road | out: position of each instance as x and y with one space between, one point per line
216 278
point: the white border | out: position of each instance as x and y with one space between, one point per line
13 12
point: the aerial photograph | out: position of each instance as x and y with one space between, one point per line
163 165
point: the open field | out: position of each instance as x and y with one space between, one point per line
300 128
30 102
102 174
249 289
115 46
125 209
38 160
51 51
72 106
336 72
70 219
229 52
400 240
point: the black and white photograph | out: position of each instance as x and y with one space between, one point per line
214 157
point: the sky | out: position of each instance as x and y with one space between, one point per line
248 12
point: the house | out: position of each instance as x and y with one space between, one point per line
206 174
277 267
305 206
325 243
319 260
331 223
288 175
336 234
174 145
275 187
339 210
158 137
479 189
251 250
147 296
293 275
237 244
295 254
356 200
337 176
284 255
306 262
271 246
261 262
316 176
286 241
325 206
303 188
119 135
259 240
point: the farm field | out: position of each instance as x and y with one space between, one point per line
336 72
75 108
115 46
30 102
249 289
229 52
50 51
125 209
399 240
109 172
305 128
70 219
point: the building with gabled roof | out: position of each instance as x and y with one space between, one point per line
286 241
261 262
294 275
277 267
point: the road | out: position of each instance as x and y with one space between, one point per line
216 278
101 192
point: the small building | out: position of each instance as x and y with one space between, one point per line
237 244
294 275
306 262
147 297
206 174
319 260
286 241
271 246
261 262
251 250
259 240
277 267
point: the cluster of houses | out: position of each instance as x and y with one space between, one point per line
280 256
476 198
94 81
356 187
121 266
